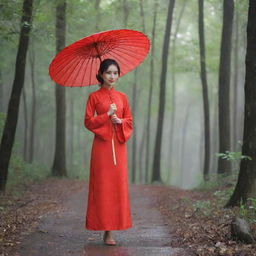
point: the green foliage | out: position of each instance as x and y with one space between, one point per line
219 181
23 172
223 195
185 199
10 17
203 206
233 156
248 210
81 19
2 121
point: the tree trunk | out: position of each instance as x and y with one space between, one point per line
13 106
25 111
246 184
215 134
33 110
126 12
183 148
72 129
1 93
134 136
156 173
142 16
201 143
98 16
235 88
59 164
224 166
141 155
205 91
142 144
148 130
173 100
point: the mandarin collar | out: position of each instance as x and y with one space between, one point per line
106 89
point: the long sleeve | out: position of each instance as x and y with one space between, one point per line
124 130
100 124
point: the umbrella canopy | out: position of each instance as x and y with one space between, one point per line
77 64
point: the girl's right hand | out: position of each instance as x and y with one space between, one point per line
112 109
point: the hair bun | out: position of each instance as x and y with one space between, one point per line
99 78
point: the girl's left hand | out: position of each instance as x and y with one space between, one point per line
115 119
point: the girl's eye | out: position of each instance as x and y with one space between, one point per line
115 73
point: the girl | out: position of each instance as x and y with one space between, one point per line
108 205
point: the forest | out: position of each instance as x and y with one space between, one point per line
192 98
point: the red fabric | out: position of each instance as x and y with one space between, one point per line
108 206
78 63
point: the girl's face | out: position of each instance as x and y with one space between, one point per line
110 75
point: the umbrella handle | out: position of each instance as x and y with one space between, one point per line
96 47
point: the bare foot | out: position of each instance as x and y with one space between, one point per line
108 239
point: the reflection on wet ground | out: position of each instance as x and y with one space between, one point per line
98 250
62 233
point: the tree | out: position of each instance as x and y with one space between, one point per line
148 130
34 106
235 82
203 76
59 164
98 16
14 102
224 166
156 176
25 110
1 93
173 99
134 139
142 143
245 186
126 12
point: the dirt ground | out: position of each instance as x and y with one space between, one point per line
47 218
50 221
202 223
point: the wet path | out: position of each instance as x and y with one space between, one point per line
62 233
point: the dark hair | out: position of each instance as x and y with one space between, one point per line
104 66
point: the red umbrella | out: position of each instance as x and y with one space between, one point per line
78 63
